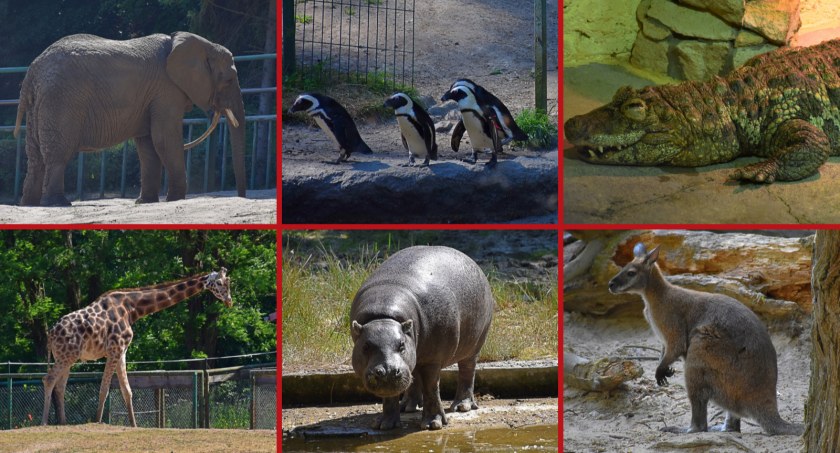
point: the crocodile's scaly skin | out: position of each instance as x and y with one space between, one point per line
783 105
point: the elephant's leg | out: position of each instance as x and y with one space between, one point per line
170 148
149 170
33 184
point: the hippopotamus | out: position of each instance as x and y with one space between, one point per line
424 308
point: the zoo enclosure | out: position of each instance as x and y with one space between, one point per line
350 39
95 177
242 396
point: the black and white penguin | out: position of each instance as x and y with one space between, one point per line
481 128
416 128
334 120
491 105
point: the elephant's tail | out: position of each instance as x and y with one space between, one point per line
20 112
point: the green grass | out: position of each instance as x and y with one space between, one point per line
541 128
321 276
303 19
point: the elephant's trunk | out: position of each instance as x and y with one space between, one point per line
206 133
236 131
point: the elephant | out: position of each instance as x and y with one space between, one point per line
85 93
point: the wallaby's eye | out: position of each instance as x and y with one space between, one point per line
631 273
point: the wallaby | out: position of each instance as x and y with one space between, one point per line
729 358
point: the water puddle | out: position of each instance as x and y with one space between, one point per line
530 438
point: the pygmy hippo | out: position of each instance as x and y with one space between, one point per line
425 308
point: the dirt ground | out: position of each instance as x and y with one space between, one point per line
629 419
451 41
260 207
94 437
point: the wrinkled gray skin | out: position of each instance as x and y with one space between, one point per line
85 93
425 308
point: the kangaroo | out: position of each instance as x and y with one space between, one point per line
729 358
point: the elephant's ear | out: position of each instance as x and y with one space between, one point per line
188 67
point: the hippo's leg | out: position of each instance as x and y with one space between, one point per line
464 399
390 417
798 149
433 415
413 397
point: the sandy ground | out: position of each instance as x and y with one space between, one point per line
214 208
95 437
451 41
629 419
677 195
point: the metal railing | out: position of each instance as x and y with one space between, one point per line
242 397
105 174
353 39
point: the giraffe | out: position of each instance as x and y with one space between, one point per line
103 329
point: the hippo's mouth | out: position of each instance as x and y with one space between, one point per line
387 386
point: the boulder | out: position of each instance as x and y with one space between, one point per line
650 54
747 38
700 60
742 54
776 20
729 10
771 275
689 22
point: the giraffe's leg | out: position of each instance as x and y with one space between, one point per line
53 377
126 389
60 385
110 366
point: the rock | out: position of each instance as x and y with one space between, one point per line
442 109
427 101
743 54
650 54
444 126
698 60
776 20
654 30
771 275
689 22
747 38
729 10
368 190
591 31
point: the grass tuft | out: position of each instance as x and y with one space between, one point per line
541 128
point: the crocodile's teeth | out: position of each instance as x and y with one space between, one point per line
620 147
592 154
601 149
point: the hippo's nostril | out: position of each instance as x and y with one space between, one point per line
397 372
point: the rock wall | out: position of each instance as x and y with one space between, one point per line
771 275
593 29
698 39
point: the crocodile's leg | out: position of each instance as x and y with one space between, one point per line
798 149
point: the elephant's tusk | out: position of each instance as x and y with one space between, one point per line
231 118
206 133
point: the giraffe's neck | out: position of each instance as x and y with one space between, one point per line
140 302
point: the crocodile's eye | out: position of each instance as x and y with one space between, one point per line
634 109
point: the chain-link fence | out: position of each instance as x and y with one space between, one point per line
353 39
241 397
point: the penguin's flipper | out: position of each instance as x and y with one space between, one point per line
362 148
433 153
457 134
518 134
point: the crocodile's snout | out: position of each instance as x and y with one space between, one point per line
574 129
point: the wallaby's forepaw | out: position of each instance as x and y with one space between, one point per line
662 375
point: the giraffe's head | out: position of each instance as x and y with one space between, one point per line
218 283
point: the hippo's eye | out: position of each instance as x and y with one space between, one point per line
366 347
402 346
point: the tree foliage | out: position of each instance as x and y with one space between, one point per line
47 274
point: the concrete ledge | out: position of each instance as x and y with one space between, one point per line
447 191
505 380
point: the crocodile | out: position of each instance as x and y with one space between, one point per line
783 106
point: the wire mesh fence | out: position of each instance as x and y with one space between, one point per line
241 397
356 40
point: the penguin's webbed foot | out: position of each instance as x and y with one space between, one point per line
492 162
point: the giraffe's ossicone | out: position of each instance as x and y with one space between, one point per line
103 329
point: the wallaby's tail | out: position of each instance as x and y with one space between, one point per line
774 425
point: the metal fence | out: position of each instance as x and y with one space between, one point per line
355 39
117 174
242 397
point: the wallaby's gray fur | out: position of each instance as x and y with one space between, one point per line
729 358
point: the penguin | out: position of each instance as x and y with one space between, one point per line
416 128
334 120
480 127
491 105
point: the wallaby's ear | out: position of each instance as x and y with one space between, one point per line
639 250
652 256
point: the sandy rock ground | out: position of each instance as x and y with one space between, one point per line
629 419
213 208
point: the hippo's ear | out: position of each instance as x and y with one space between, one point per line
355 330
407 326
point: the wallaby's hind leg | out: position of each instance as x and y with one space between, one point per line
731 424
699 407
